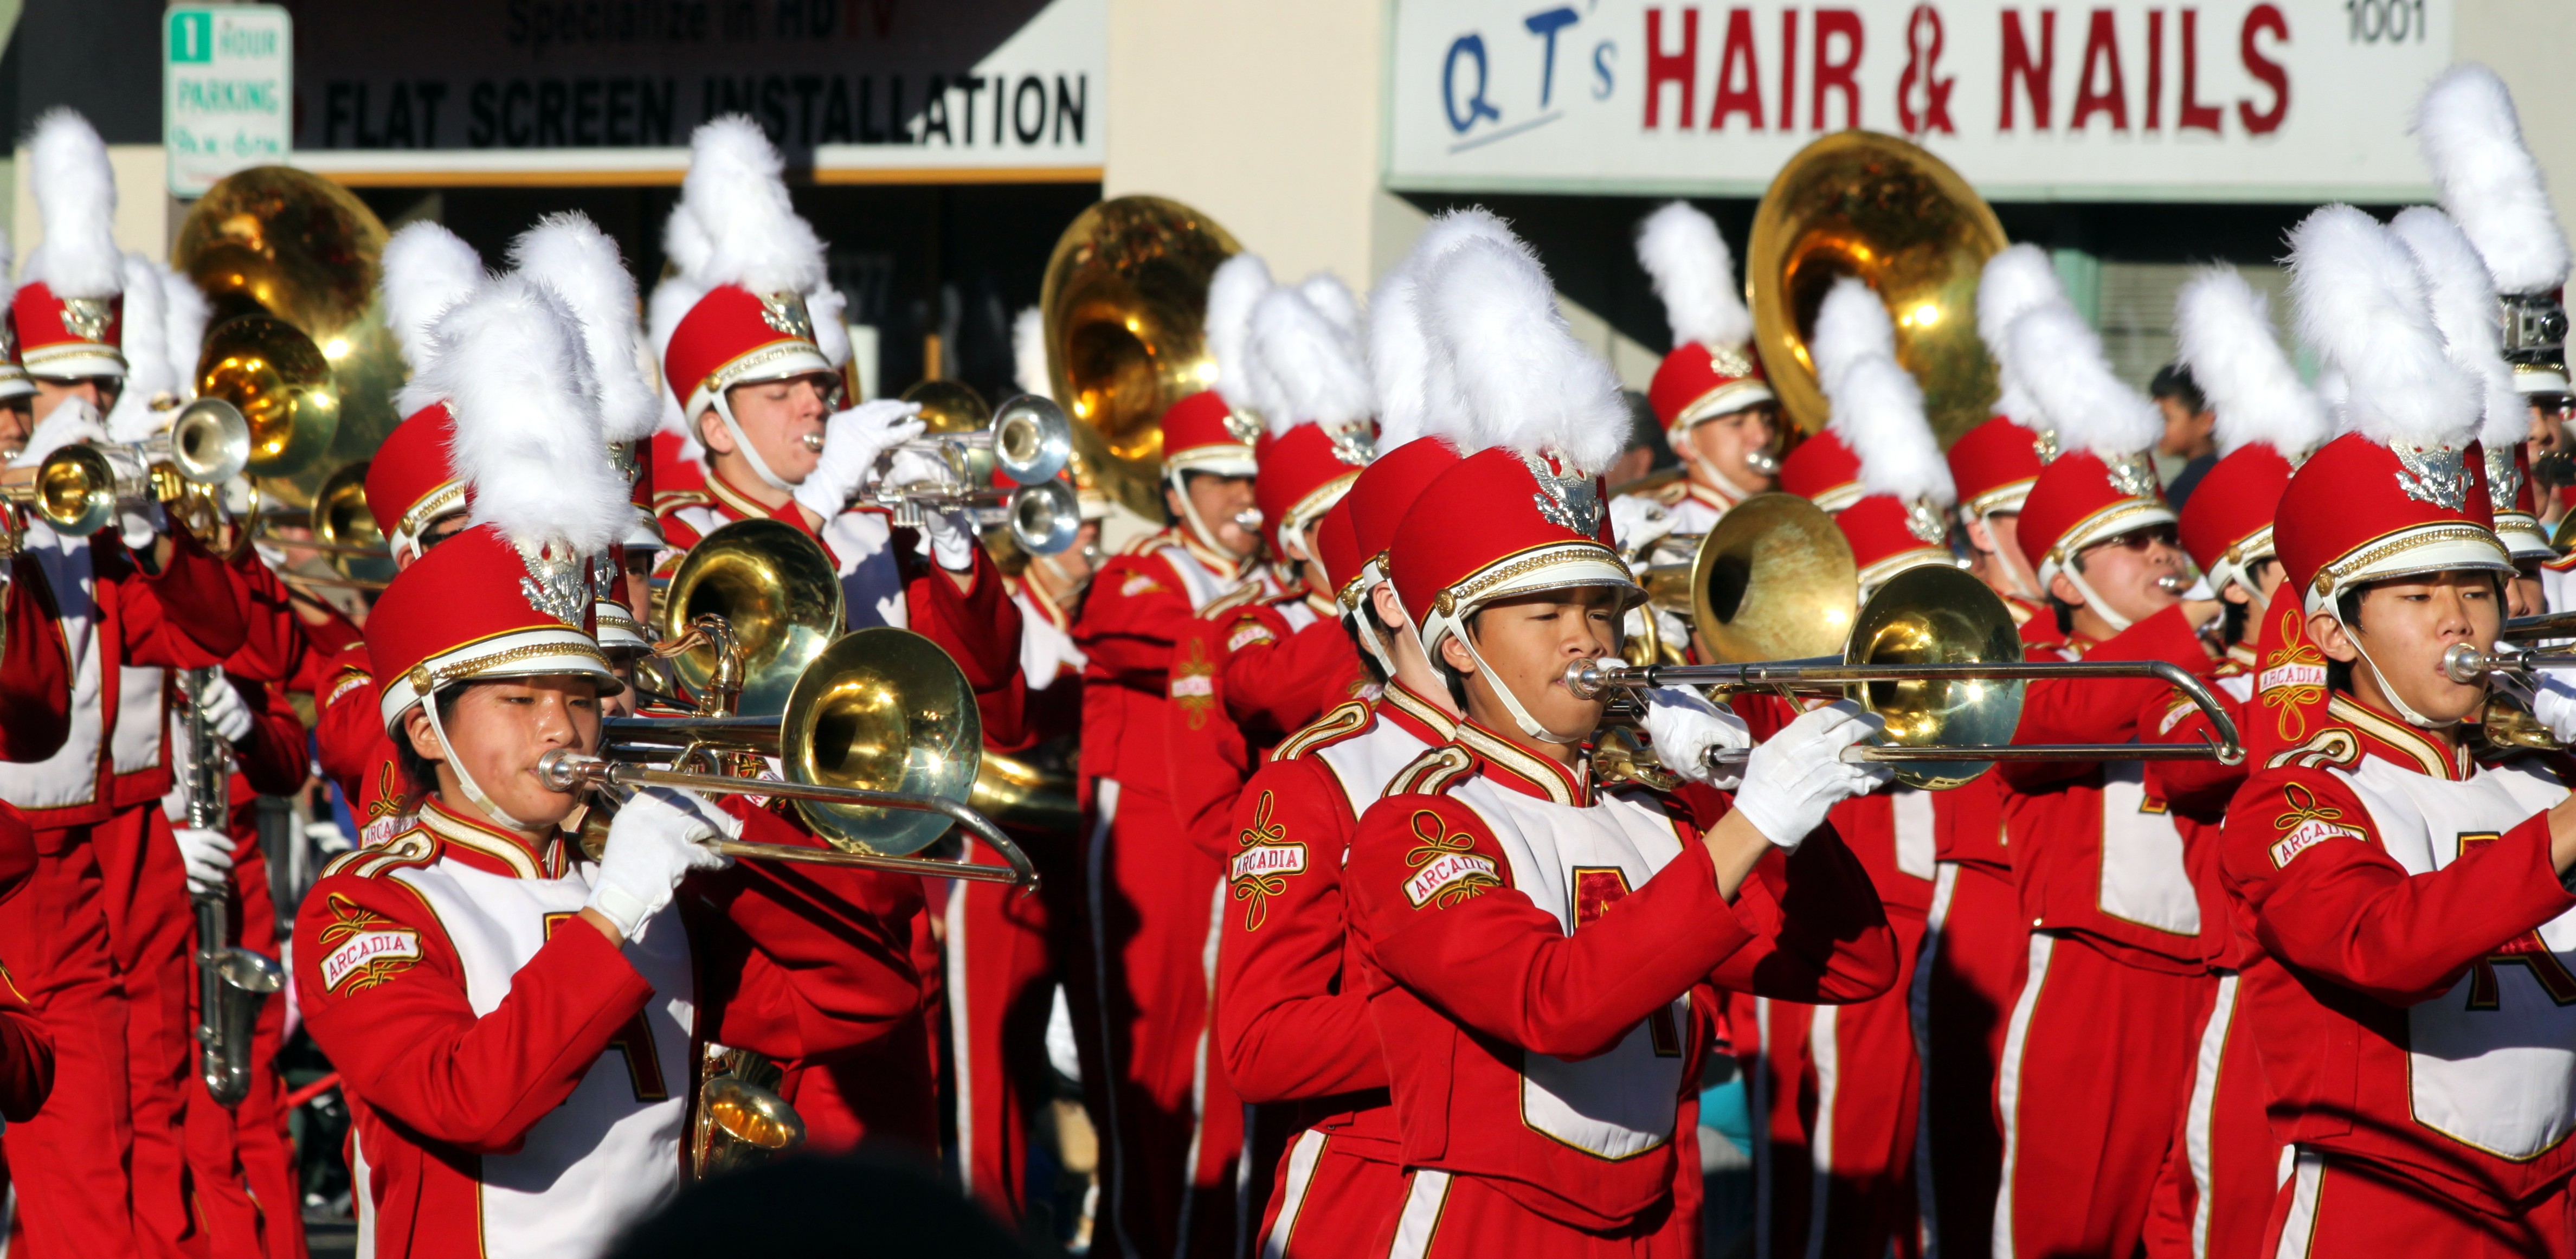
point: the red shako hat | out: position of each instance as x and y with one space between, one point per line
1712 369
1995 464
2403 492
1900 515
2100 485
1385 490
1822 470
2267 421
409 481
1201 433
70 309
1337 546
1213 430
460 614
427 271
1306 379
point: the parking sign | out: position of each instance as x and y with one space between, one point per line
227 91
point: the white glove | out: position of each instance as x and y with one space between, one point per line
853 440
1792 780
1638 522
659 837
138 526
950 536
1684 726
912 467
2554 703
208 856
226 712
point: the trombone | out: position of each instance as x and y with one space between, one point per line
1936 655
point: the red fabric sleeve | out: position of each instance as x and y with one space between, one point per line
1292 1020
35 668
979 627
2306 860
17 851
1476 948
1288 681
1135 611
2199 787
187 616
799 960
1820 933
2100 710
273 760
1208 753
274 642
407 1041
26 1055
350 742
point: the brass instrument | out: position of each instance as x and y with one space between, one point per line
1935 654
778 593
1125 304
741 1121
289 263
1028 441
2530 629
1863 204
80 488
2465 664
231 981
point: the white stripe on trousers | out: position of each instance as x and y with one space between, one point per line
2299 1231
2008 1085
1105 804
1918 1008
1302 1158
1424 1195
1827 1053
961 1054
2204 1108
1199 1076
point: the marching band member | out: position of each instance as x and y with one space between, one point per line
1542 1039
1834 1089
89 933
2472 141
1716 406
2220 1166
2410 893
1140 998
517 1027
2122 932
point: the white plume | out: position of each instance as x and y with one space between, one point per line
1303 369
146 344
2224 335
2463 300
186 320
735 224
510 361
2473 141
1695 275
830 312
1237 285
76 204
1334 301
1526 383
427 269
2361 303
1877 410
569 254
1029 354
1851 325
1415 395
2014 281
2087 406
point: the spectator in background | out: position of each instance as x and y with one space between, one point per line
1647 452
2188 421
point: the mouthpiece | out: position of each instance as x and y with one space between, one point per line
813 442
1589 679
2465 664
1248 520
2173 583
1764 462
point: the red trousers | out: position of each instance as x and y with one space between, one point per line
1170 1126
2095 1068
2224 1168
1834 1090
1329 1202
2355 1211
1975 945
68 1164
144 889
1461 1217
1001 990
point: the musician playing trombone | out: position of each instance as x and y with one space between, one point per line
519 1026
1545 953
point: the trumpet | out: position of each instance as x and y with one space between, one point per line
80 488
1935 655
1028 442
2465 664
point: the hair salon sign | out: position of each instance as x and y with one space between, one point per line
2224 100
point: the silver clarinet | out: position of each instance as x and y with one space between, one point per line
231 981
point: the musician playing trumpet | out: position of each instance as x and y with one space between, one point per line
518 1026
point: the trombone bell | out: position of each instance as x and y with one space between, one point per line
778 591
886 710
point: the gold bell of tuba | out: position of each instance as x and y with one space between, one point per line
1862 204
1125 311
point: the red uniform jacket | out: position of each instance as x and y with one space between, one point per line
522 1087
2198 791
26 1050
1140 603
1292 1010
2093 851
2415 1007
1247 671
35 667
1545 965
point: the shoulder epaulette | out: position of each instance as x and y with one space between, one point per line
1339 722
1431 773
413 846
1246 594
1146 544
673 500
2334 747
1671 493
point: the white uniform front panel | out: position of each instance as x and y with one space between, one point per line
1617 1104
603 1158
2143 878
1366 762
2502 1080
871 582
